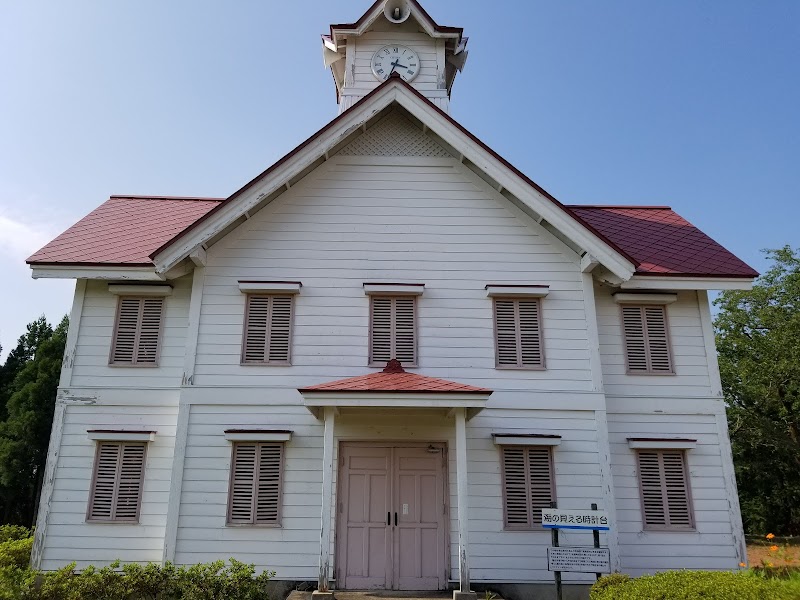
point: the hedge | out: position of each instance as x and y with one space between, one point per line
212 581
696 585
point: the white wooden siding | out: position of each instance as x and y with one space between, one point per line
69 537
711 546
691 378
397 220
292 550
90 367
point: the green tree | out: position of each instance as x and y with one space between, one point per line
36 332
758 339
25 434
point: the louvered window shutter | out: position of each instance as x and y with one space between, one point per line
137 333
646 339
393 330
664 487
116 493
518 332
267 330
255 488
527 484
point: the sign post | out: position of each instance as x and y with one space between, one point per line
595 560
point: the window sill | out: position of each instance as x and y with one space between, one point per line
382 365
669 530
103 522
265 364
255 525
134 365
520 368
534 529
651 374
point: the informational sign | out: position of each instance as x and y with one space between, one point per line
558 518
578 560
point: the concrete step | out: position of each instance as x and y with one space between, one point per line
380 595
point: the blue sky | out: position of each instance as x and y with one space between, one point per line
684 103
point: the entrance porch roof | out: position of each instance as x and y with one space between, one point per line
394 387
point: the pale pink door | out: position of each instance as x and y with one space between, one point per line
419 540
391 517
364 533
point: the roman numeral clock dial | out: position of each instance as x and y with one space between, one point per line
395 59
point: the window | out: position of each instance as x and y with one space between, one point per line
393 329
254 497
137 331
664 486
646 339
518 333
267 330
116 492
528 484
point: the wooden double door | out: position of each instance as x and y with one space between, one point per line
391 518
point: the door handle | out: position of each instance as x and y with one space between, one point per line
388 518
395 519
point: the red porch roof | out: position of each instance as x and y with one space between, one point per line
395 379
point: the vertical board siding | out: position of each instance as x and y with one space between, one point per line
709 545
95 336
685 337
70 537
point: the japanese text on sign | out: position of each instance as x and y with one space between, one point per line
579 560
556 518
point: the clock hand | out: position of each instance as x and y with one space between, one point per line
400 66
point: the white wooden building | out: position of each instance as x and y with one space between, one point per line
225 389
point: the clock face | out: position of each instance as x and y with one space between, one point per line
395 59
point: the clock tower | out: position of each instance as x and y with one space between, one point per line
394 37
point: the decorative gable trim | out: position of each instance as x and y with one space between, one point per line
394 135
316 150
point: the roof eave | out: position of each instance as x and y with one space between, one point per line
318 145
115 272
677 281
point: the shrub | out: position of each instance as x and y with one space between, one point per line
14 532
695 585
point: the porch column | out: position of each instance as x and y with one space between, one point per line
464 592
327 495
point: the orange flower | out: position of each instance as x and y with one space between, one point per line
773 548
770 536
742 565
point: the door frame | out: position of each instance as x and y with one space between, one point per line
338 507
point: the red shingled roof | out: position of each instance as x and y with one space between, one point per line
395 379
124 230
663 242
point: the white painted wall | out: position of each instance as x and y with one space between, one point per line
91 368
392 219
69 537
691 377
712 545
